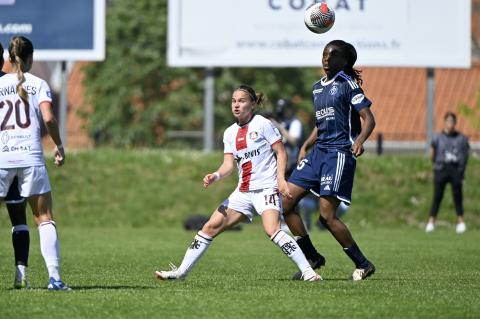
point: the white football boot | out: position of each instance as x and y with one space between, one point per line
461 228
363 273
311 275
430 227
170 274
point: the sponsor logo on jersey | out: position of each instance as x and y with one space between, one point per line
240 139
333 90
5 137
49 94
20 148
357 98
327 188
326 180
5 149
251 154
320 90
327 112
253 135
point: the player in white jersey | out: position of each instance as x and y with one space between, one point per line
24 98
16 206
253 144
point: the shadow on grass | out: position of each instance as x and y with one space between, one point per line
112 287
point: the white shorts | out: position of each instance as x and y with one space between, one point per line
31 180
254 202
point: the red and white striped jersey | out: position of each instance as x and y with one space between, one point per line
251 145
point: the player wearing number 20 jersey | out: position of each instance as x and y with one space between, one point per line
20 128
250 145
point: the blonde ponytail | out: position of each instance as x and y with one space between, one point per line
21 79
19 50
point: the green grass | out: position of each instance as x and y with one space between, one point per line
119 214
137 188
244 275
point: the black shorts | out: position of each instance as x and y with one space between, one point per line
13 195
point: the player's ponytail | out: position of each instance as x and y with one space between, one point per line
258 98
351 55
20 50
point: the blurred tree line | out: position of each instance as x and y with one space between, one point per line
136 98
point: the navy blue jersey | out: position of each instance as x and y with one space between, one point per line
337 103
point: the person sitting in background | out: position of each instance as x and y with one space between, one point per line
449 154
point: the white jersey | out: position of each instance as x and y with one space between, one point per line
251 145
20 144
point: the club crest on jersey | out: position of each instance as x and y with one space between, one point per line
253 135
333 90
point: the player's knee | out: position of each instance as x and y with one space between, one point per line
288 208
323 221
212 228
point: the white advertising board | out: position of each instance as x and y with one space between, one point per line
271 33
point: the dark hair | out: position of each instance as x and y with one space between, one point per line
19 50
348 52
256 97
450 114
1 57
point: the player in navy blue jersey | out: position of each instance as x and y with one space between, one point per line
328 170
16 206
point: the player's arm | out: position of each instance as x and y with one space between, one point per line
224 170
367 129
52 127
307 144
281 155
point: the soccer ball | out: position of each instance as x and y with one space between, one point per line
319 18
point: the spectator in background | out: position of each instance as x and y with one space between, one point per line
291 129
449 153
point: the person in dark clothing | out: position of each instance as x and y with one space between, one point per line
291 129
449 154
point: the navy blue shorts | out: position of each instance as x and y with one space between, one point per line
13 195
326 173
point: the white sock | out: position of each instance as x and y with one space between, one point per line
289 246
197 248
49 246
20 272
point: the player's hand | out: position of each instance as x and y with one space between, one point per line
209 179
283 189
357 149
59 155
301 155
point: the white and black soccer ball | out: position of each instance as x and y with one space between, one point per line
319 17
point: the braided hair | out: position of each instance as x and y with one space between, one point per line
348 51
19 50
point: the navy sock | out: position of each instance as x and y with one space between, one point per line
356 256
21 245
307 248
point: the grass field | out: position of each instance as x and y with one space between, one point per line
119 217
243 275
